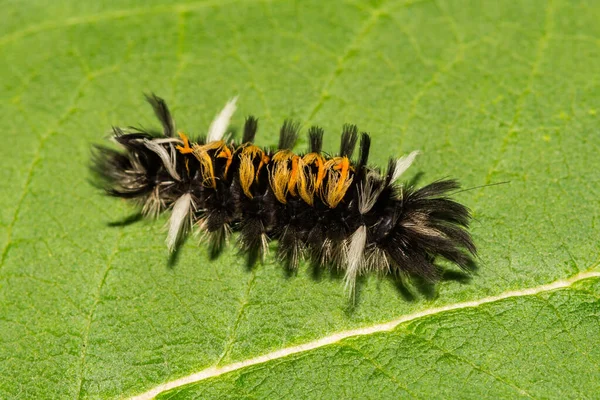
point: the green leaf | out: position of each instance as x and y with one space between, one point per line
518 347
92 306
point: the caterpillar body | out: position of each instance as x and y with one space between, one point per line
334 210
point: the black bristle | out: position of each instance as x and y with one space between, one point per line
315 139
390 171
163 114
288 134
250 127
365 146
349 139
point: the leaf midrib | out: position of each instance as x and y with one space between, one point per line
216 371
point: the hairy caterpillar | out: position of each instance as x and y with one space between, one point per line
333 210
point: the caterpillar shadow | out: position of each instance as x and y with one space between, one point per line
411 288
176 253
129 220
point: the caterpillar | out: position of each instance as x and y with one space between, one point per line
333 210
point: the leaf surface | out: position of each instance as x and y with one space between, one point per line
91 306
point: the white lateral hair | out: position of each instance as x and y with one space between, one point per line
167 159
154 204
368 193
168 140
355 255
221 122
403 163
180 220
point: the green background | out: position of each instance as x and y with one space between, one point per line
488 91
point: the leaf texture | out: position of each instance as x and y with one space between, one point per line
91 305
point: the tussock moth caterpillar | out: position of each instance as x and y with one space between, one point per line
333 210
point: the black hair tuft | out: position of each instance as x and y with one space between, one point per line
250 128
163 114
315 139
349 138
288 134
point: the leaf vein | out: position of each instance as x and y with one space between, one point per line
90 316
37 157
383 370
214 371
111 16
535 67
